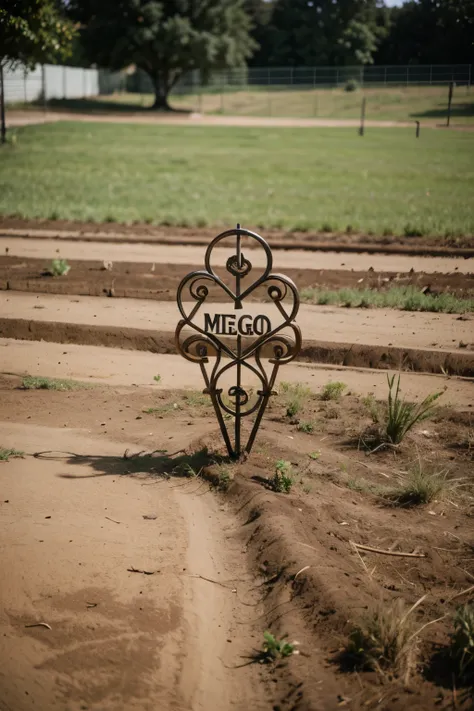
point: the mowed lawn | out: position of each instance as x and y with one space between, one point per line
298 178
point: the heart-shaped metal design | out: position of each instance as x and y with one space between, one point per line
278 344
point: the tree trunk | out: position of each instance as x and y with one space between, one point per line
161 95
3 127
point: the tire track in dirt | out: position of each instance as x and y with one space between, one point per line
117 639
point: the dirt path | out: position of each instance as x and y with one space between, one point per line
382 327
115 367
178 254
71 529
23 118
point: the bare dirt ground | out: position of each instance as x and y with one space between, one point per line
381 338
222 567
115 366
144 233
103 249
156 561
160 282
76 529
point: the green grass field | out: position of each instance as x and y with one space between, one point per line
427 104
308 179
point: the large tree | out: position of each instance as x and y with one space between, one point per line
165 38
31 32
430 32
322 32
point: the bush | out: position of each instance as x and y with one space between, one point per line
351 85
333 390
282 479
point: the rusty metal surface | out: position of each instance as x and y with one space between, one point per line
249 340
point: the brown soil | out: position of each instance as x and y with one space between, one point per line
116 366
359 337
458 246
136 280
163 342
272 561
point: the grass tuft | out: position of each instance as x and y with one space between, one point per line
421 486
32 382
333 390
403 298
295 396
306 427
462 644
6 454
402 415
384 641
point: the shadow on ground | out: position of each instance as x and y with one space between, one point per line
88 106
157 463
459 110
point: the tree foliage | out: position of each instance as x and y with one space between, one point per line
318 32
165 38
33 31
430 32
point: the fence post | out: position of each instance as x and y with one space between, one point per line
43 88
64 83
362 117
25 93
450 99
84 81
2 107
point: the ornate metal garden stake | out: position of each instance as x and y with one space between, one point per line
238 346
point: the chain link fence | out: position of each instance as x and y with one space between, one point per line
392 93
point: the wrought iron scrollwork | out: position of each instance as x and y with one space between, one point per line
278 344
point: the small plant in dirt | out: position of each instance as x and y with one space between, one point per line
422 485
225 479
187 470
384 641
295 396
31 382
274 649
314 455
157 378
394 419
461 647
402 415
283 478
196 398
6 454
374 408
58 267
306 427
333 390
